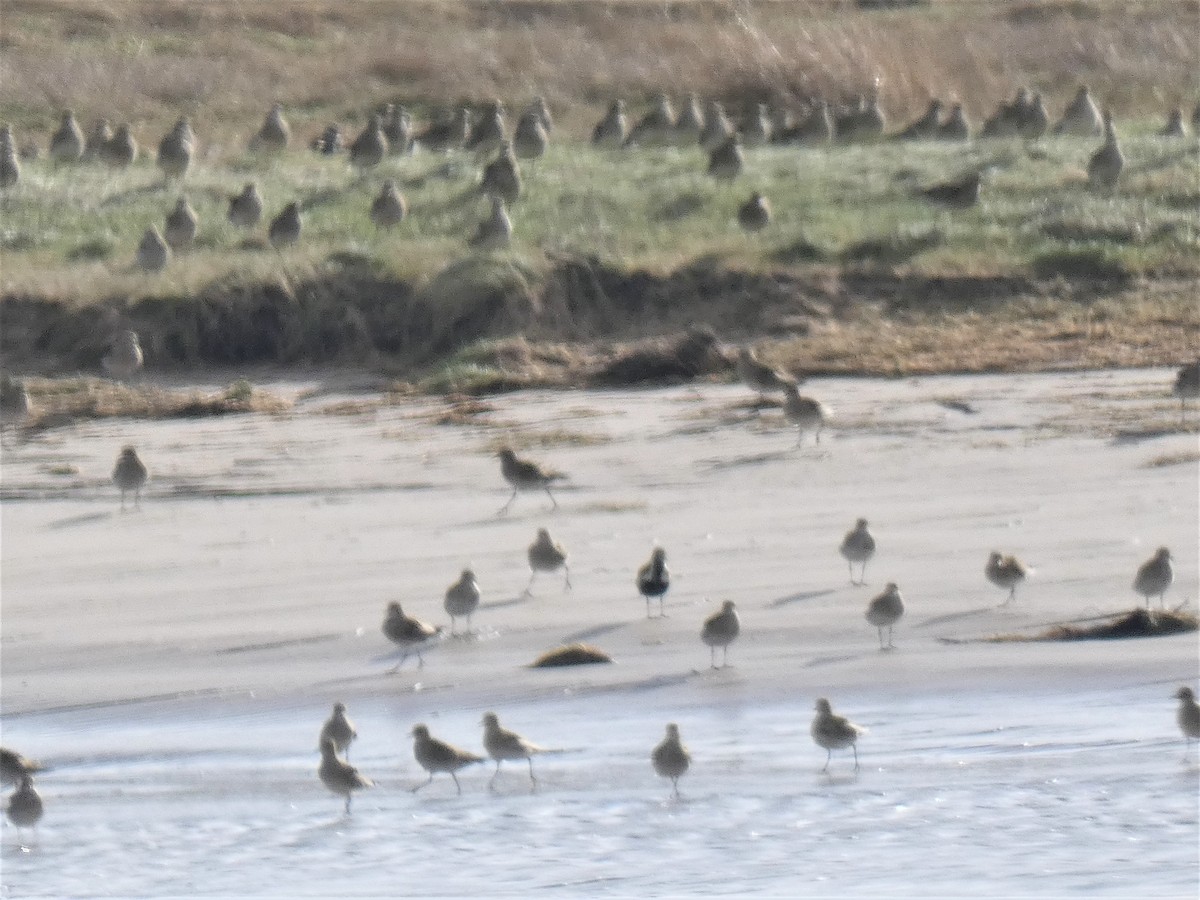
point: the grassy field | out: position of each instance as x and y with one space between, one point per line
854 258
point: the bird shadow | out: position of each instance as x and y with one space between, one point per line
590 633
835 658
85 519
1127 436
754 459
519 600
799 598
955 617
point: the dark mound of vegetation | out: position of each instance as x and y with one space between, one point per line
571 655
1137 623
694 353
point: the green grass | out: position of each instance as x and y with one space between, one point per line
70 232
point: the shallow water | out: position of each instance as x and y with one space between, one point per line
971 794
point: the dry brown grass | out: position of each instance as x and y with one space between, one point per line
224 63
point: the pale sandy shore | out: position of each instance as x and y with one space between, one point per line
267 547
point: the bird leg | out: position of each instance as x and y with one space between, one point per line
567 573
505 507
551 496
426 784
456 784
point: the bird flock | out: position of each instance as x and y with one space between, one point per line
670 759
481 132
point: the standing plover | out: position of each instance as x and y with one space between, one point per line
339 729
25 805
1105 165
1082 115
153 253
525 475
671 758
653 580
755 213
805 413
884 611
462 599
338 775
124 356
180 228
493 232
758 375
246 208
1188 716
858 546
502 744
130 474
610 131
1187 386
14 767
67 142
1005 572
176 149
720 630
834 732
389 208
437 756
411 634
546 555
274 134
285 228
1155 576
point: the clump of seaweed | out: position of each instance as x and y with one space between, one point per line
571 655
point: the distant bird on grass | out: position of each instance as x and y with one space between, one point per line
530 137
1081 116
179 231
274 133
959 193
410 634
525 475
67 142
1106 164
1154 577
671 758
436 756
338 775
389 208
176 149
1006 572
246 208
755 213
501 177
370 147
720 630
858 546
495 231
832 732
122 151
153 253
611 131
654 579
129 475
726 161
285 228
546 555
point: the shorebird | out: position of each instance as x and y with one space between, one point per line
756 127
1155 576
502 744
653 580
14 767
538 107
546 555
858 546
437 756
717 127
130 474
285 227
1105 165
25 805
180 228
885 611
530 137
817 127
153 254
1034 120
10 166
755 213
329 141
274 133
462 599
1006 120
525 475
1005 572
926 126
97 140
398 129
246 208
958 193
122 150
176 149
448 132
488 131
720 630
1174 126
66 144
389 208
671 758
657 127
955 128
1187 386
834 732
124 356
412 635
339 729
15 404
501 177
726 160
1188 716
338 775
494 232
1081 116
611 131
805 413
370 147
758 375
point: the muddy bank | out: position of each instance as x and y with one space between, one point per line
583 319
